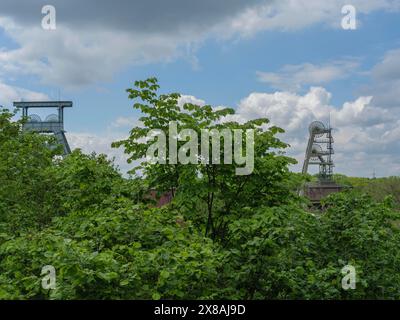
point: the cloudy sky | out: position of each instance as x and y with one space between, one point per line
288 60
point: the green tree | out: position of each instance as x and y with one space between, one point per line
124 251
213 190
24 189
81 181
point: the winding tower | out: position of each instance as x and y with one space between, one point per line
319 152
317 155
52 124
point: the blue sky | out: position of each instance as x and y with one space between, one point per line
289 60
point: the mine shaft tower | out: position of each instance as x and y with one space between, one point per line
316 154
53 123
319 152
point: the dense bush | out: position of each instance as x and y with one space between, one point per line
223 236
124 252
286 252
24 161
377 188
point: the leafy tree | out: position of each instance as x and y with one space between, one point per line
273 254
377 188
365 233
224 235
287 253
81 181
122 252
24 189
213 187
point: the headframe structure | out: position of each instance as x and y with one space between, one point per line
316 155
319 152
54 123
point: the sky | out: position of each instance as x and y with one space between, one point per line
291 61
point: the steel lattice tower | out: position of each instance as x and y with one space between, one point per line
319 152
54 123
316 155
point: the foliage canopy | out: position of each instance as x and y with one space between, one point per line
222 236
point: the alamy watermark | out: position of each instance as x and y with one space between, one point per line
349 21
49 279
349 279
193 152
49 20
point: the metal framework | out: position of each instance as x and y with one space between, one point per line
54 123
319 152
316 154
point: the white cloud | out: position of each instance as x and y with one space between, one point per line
73 59
100 143
291 15
366 136
295 77
91 46
124 122
289 109
190 99
9 94
386 80
363 113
